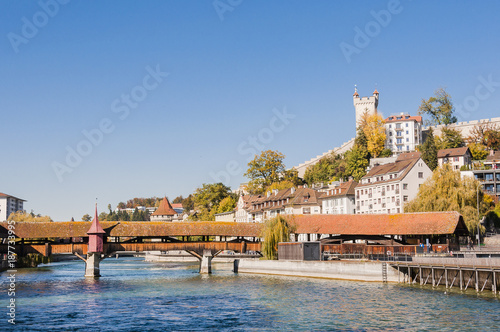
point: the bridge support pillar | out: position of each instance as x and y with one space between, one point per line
206 262
92 265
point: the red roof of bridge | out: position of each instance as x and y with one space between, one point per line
424 223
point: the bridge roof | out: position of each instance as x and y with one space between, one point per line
33 230
424 223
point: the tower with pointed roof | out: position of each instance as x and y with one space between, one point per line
364 104
95 248
165 212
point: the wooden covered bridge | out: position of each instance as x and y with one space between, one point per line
338 233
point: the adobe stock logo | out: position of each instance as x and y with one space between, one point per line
30 28
372 29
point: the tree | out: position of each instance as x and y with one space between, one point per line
264 170
188 203
178 199
485 135
447 191
275 230
450 138
23 216
429 151
227 204
86 217
357 161
373 127
329 168
478 151
207 199
439 108
103 216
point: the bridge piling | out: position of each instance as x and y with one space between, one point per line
92 265
206 262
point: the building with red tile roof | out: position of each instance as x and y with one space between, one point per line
165 212
340 199
456 157
387 187
403 132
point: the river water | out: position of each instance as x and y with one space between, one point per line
134 295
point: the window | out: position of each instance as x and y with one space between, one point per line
407 132
390 141
399 133
420 175
390 133
398 125
405 198
456 159
306 210
407 148
407 126
390 126
405 186
407 139
399 141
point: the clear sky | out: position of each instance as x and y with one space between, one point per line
121 99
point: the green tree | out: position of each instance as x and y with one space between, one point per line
207 200
103 216
450 138
227 204
429 151
275 230
188 203
265 169
329 168
439 108
86 217
358 160
447 191
178 199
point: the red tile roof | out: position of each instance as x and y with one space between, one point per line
495 157
165 209
5 195
176 205
346 188
381 224
403 165
394 118
456 152
67 229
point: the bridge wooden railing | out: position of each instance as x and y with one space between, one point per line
48 249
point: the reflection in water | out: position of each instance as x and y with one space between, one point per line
135 295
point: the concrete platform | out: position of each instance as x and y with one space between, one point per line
345 270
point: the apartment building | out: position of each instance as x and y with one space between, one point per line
9 204
403 132
340 199
387 187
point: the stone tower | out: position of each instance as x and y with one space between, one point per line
364 104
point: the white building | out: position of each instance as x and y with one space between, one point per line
386 188
8 205
403 132
456 157
339 200
225 216
259 208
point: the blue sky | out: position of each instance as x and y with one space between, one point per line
222 70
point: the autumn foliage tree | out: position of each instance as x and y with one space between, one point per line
447 191
373 126
23 216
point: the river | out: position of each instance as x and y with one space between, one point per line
134 295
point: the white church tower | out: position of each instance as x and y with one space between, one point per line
364 104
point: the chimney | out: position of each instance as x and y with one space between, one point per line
492 153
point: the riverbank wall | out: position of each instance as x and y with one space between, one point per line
345 270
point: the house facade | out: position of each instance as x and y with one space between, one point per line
403 132
340 199
456 157
9 204
386 188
